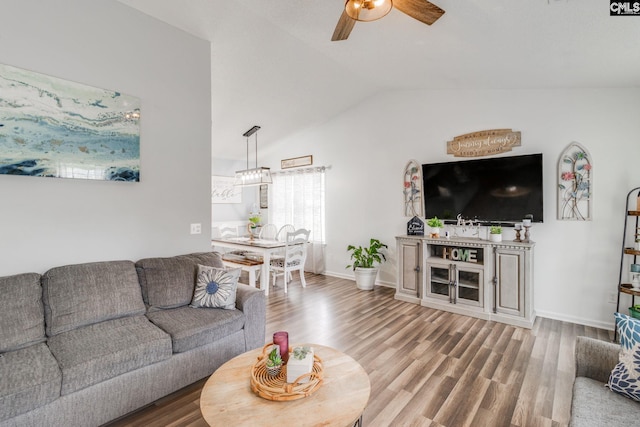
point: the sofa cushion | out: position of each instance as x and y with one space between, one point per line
593 405
216 288
21 311
192 327
82 294
30 378
169 282
104 350
625 376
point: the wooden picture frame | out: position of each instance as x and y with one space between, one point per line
296 162
264 196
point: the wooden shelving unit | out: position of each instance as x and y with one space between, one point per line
629 251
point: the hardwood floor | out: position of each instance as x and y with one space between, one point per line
426 367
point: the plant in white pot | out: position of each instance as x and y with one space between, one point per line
365 261
495 233
435 225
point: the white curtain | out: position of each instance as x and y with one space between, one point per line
297 197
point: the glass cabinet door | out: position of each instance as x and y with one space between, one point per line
469 287
438 280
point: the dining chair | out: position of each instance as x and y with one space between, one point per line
268 232
295 255
282 233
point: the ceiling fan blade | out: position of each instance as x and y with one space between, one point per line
344 27
422 10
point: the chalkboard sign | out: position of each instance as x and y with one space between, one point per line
415 227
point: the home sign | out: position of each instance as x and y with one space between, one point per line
484 143
460 254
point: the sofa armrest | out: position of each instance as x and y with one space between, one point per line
252 303
595 358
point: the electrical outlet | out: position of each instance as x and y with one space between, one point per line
196 228
611 298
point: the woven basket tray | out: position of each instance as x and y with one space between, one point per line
276 387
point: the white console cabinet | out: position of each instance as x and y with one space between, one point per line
468 276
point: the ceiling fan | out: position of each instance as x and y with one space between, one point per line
370 10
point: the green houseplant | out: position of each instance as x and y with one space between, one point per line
495 233
274 362
435 225
365 262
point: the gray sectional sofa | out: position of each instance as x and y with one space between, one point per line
84 344
592 404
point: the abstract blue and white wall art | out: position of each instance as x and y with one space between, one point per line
56 128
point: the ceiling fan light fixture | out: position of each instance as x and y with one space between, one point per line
367 10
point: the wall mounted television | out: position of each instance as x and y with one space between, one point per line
495 190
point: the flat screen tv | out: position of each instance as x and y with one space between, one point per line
496 190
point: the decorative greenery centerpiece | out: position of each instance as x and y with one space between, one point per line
254 219
274 361
365 260
300 353
299 364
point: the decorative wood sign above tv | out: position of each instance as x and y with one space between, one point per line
483 143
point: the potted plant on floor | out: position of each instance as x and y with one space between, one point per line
495 233
365 261
435 225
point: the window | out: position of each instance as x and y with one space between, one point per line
297 197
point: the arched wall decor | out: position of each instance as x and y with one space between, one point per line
575 183
413 201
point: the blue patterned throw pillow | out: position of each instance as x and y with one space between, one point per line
625 377
215 288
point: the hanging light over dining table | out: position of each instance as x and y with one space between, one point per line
257 175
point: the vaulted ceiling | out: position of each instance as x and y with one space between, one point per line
274 64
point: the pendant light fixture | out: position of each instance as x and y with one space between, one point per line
257 175
367 10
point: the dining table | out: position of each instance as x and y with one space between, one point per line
265 247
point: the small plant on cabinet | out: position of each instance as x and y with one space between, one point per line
495 233
435 225
434 222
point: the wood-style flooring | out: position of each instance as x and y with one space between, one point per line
427 367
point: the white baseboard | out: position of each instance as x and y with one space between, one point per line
547 314
350 277
577 320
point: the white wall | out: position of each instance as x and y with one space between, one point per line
232 213
576 263
46 222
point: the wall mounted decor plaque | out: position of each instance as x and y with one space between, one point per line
575 183
296 162
484 143
415 227
223 190
57 128
412 189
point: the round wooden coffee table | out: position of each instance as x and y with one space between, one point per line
227 398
